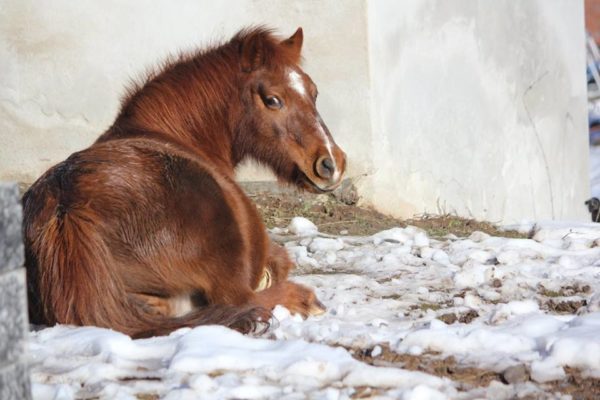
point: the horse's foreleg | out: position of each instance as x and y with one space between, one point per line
296 298
278 262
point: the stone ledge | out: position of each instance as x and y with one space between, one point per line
14 382
11 218
13 321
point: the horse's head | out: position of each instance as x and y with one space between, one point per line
282 126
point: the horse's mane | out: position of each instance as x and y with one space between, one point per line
168 96
214 56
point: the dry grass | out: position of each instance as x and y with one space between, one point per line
438 226
333 216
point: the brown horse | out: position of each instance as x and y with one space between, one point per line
146 231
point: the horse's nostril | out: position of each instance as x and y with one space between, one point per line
325 167
328 165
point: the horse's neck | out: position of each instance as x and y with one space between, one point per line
203 124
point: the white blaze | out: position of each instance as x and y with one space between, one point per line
336 172
296 82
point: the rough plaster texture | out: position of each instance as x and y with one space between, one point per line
478 108
467 106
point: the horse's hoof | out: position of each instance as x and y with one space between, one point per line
317 308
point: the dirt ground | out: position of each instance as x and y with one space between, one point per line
469 377
338 213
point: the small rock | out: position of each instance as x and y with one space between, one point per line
346 193
479 236
586 288
467 317
448 318
515 374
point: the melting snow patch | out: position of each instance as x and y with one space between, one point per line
490 302
302 227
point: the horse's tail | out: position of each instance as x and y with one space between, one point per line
78 285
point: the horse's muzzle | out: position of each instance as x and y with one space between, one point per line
325 168
328 169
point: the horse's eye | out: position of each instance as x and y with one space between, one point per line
273 102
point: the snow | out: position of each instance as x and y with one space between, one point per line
386 291
302 227
325 244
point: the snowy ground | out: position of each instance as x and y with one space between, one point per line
527 309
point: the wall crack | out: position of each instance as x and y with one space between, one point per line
539 140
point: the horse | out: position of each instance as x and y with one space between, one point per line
146 231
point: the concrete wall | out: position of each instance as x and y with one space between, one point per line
479 108
476 107
14 376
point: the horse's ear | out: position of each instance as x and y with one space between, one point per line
294 42
253 53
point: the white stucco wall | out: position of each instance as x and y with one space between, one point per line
468 106
65 65
479 108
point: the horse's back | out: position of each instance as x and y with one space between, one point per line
133 182
159 212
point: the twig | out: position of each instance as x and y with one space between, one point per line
339 222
